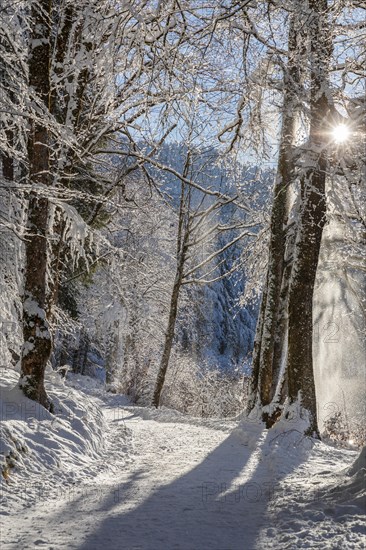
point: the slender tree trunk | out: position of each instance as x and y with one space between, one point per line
37 339
85 351
301 384
169 336
280 347
7 160
182 250
253 393
112 358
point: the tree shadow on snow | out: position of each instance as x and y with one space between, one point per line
220 504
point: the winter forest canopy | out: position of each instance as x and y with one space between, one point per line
182 206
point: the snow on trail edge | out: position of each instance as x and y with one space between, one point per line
148 480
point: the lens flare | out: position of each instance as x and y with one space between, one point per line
341 133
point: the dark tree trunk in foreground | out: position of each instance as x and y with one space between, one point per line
301 384
293 259
266 363
37 339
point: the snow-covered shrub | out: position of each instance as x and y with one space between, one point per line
136 379
199 389
338 430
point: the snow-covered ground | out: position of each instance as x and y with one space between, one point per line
132 478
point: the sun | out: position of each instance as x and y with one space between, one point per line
341 133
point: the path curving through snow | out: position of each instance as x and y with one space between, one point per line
188 484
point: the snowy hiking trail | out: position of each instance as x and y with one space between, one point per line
189 484
162 498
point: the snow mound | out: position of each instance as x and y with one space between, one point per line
349 493
318 501
284 444
41 451
359 465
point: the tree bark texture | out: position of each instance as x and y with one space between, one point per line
169 336
301 384
266 361
37 339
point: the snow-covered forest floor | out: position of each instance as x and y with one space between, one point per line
118 476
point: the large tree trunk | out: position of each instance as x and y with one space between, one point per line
301 384
37 339
266 363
